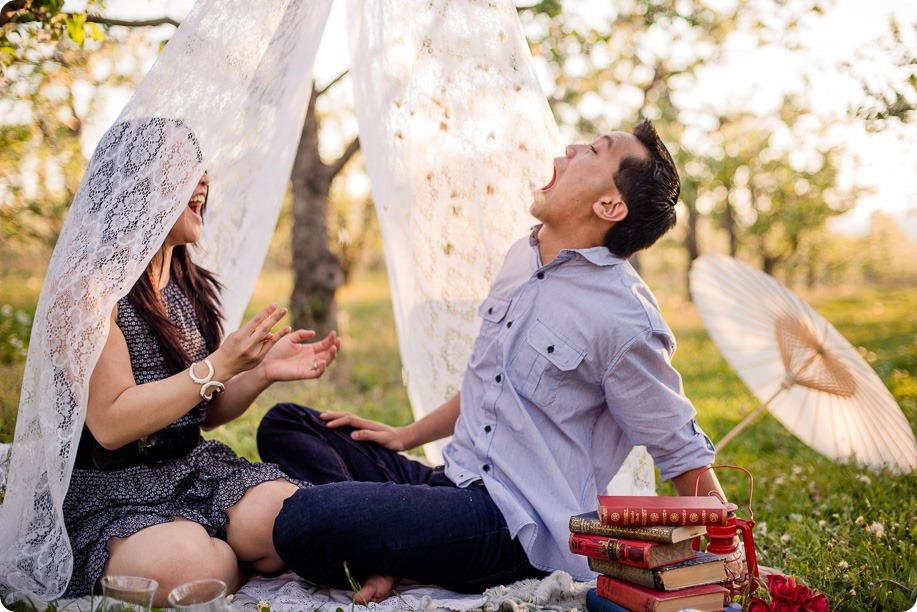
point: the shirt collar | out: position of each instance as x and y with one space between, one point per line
599 255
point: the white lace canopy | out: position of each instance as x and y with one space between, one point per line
454 129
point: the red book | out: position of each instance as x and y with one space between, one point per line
706 598
638 553
641 510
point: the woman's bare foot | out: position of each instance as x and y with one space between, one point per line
375 588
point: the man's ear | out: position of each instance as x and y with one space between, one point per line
612 211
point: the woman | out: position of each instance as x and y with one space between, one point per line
148 496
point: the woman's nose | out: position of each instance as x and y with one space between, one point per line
205 180
570 151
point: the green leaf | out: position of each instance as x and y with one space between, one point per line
75 28
95 32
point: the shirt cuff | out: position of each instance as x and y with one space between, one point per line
687 449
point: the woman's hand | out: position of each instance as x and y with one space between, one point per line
367 430
247 347
290 359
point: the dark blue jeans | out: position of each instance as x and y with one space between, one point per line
381 513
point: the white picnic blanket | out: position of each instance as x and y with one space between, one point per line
289 593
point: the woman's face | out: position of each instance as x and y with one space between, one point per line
187 229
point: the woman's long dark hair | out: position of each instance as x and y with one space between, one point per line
203 291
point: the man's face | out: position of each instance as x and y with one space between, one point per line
584 176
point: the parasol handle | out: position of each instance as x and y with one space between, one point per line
751 416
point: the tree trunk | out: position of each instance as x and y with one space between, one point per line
317 273
691 246
729 224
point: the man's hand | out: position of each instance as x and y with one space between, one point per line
367 430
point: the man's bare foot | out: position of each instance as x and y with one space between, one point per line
375 588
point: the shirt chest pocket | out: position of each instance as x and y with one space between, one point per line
542 363
492 312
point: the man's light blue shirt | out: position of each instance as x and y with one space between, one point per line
570 371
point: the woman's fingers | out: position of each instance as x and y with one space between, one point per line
301 335
256 321
265 327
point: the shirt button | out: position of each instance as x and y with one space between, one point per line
551 349
498 378
490 310
509 324
487 428
486 467
540 275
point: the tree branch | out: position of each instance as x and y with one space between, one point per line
331 84
352 148
132 24
9 10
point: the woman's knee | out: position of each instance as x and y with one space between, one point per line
172 553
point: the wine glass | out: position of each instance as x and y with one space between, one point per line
127 593
199 596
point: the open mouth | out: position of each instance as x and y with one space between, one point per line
551 182
196 204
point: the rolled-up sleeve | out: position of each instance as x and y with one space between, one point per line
645 396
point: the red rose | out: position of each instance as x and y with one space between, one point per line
758 605
781 587
814 603
784 605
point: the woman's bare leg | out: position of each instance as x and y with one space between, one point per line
251 525
172 554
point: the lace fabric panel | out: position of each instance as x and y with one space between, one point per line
455 131
227 94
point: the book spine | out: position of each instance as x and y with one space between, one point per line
627 573
594 526
632 516
629 598
599 547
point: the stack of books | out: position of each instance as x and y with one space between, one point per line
643 549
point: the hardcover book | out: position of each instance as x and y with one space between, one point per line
597 603
705 568
590 523
707 598
643 510
630 552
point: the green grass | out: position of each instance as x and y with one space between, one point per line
848 532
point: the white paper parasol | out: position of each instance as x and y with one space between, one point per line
808 375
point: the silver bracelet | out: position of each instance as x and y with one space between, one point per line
206 379
216 385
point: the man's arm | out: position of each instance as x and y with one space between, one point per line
684 483
434 426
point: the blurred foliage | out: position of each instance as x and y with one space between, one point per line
53 89
749 172
26 24
890 97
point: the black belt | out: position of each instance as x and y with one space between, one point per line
153 450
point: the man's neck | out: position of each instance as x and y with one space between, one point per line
552 241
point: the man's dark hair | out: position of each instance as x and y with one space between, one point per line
650 187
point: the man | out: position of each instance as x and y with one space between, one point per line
569 371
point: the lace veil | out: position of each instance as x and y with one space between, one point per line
228 94
454 129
